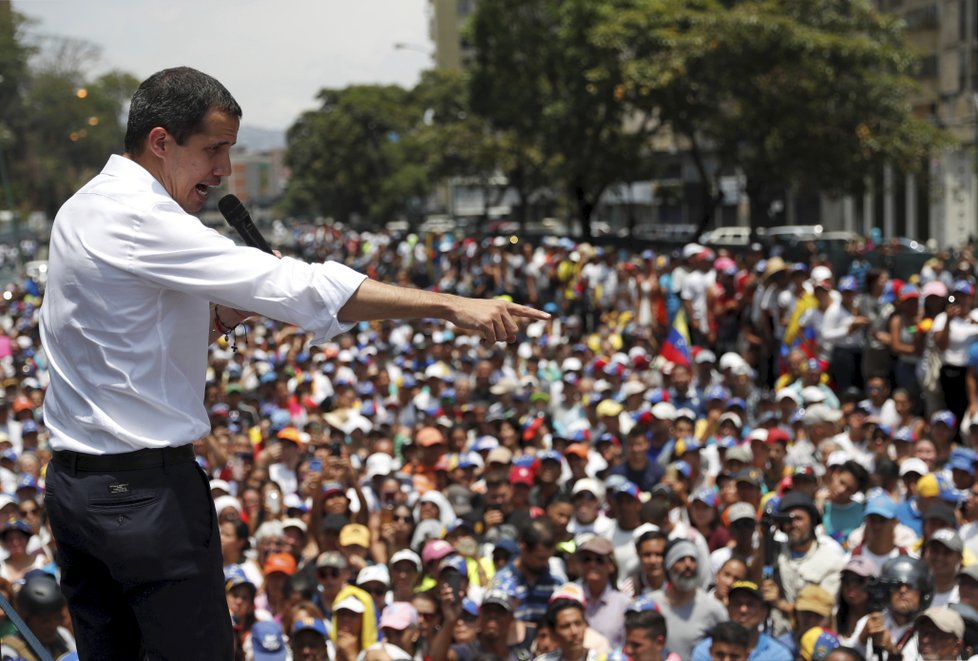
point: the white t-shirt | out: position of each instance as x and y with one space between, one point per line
963 332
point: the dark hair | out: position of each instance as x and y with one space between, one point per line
558 605
649 535
857 471
560 498
731 633
537 533
852 654
241 533
651 621
497 476
177 100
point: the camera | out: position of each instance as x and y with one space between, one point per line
878 590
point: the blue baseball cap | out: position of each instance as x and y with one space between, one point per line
717 393
904 434
882 506
736 402
707 497
727 442
848 283
944 417
470 607
268 642
549 455
310 624
508 545
963 286
454 562
628 488
642 605
962 464
27 482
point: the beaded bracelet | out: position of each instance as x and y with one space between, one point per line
226 331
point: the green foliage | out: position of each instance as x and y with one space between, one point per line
540 74
347 157
804 94
53 138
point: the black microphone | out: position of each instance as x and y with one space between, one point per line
239 218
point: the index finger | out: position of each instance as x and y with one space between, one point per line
527 312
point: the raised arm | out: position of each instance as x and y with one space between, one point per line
496 320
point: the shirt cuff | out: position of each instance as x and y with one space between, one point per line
335 284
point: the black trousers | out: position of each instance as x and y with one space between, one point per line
141 561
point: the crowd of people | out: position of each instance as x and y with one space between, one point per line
699 456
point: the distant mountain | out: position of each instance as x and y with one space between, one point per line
255 138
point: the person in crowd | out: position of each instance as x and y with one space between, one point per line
650 546
729 641
688 609
529 577
806 558
309 640
852 602
646 632
907 590
41 604
943 553
399 626
605 610
746 607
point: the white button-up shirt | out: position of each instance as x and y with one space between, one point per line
125 319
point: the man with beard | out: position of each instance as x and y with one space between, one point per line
805 559
909 588
528 578
689 611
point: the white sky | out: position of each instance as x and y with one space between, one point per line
273 55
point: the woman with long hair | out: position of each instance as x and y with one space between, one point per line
853 600
704 516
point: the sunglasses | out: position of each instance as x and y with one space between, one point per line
402 519
329 572
591 559
377 592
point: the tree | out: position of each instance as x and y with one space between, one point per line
540 76
348 157
72 125
795 94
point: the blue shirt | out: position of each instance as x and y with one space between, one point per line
532 599
767 649
909 515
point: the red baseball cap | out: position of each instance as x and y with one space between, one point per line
521 475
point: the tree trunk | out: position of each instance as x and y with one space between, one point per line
584 210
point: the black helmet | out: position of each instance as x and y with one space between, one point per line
797 499
40 595
905 570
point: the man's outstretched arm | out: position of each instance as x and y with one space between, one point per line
496 320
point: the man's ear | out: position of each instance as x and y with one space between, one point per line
157 141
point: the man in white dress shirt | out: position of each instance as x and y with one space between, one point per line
137 289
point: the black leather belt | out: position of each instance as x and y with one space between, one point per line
127 461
